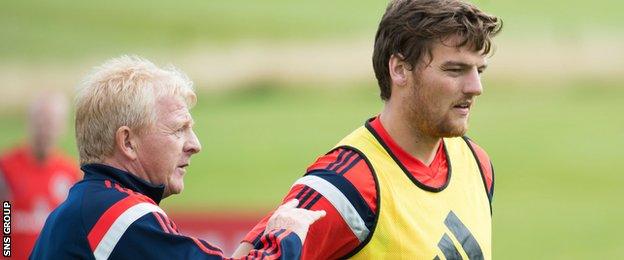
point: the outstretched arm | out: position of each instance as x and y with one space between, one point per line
331 237
145 230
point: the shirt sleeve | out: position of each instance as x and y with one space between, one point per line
329 233
155 236
346 194
486 167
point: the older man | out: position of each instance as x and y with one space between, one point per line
135 138
387 187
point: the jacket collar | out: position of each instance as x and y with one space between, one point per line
125 179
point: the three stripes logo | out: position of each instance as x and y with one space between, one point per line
465 238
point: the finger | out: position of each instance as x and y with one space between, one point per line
290 204
316 215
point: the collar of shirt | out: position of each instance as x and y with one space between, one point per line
434 174
125 179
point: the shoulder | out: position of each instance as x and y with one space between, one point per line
341 183
485 164
352 166
344 180
12 155
104 201
96 212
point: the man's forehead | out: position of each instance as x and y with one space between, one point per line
447 50
452 55
171 106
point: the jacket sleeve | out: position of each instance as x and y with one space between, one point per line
154 236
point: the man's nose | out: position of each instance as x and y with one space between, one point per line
192 145
473 84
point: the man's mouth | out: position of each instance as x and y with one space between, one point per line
463 107
183 167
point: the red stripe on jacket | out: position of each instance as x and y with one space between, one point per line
110 215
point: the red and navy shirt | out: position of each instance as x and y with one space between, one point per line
113 214
353 177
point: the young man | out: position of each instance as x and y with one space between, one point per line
409 184
135 137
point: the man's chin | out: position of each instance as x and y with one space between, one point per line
175 186
452 131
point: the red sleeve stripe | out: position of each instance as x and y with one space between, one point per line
305 198
111 226
348 167
160 221
173 226
338 159
346 159
273 251
266 240
298 196
206 249
279 238
167 225
109 217
313 201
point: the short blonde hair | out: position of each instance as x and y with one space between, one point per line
123 92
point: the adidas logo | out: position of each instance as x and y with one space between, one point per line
461 234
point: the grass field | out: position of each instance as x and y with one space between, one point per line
555 151
48 30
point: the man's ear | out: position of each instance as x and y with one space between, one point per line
125 142
399 70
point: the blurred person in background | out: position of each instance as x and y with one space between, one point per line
409 184
135 138
35 177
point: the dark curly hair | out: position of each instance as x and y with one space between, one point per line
409 27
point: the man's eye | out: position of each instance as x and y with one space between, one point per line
178 131
454 71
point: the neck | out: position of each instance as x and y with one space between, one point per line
40 153
407 136
113 162
133 169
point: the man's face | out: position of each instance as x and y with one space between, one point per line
47 124
165 149
441 93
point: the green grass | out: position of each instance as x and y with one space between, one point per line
558 185
556 151
50 30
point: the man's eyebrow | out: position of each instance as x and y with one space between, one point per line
461 64
187 121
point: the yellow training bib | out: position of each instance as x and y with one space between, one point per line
416 222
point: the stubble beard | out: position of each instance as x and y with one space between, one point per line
429 122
